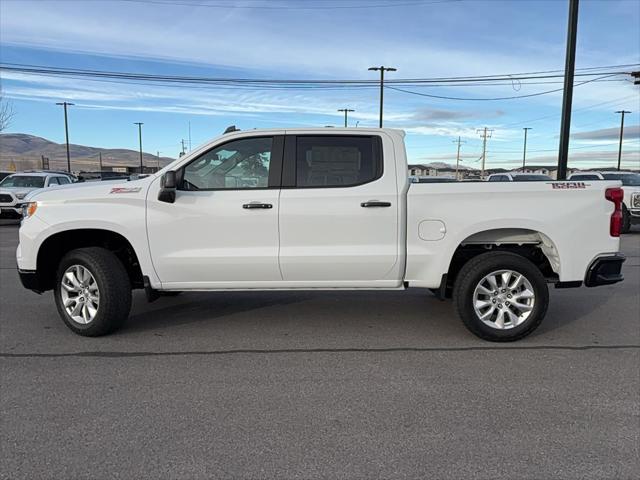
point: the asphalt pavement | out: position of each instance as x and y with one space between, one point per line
320 385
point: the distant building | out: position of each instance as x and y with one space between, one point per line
422 170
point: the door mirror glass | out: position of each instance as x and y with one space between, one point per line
168 187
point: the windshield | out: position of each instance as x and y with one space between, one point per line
26 181
630 180
530 178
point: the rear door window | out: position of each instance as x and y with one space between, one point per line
337 160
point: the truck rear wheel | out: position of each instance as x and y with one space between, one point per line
92 291
501 296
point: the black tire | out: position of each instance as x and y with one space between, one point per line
114 288
475 270
626 219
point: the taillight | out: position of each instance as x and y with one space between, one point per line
615 195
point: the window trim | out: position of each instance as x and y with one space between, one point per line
275 165
289 167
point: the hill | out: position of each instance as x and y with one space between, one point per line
26 152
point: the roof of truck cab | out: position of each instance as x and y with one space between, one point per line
318 130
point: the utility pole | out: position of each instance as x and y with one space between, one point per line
100 157
484 134
140 140
382 69
346 111
567 96
158 159
621 133
182 152
66 132
524 152
458 156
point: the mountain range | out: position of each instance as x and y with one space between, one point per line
26 151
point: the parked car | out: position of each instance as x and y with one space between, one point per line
4 174
15 187
102 176
518 177
71 176
630 186
318 209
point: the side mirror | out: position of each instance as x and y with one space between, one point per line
168 184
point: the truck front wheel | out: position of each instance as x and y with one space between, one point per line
92 291
500 296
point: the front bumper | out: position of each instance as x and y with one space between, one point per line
605 270
30 280
13 211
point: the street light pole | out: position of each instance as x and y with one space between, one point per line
140 139
346 111
458 157
66 132
382 69
621 133
524 152
567 96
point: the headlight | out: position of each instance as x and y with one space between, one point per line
28 209
635 203
21 195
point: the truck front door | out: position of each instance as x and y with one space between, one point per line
222 229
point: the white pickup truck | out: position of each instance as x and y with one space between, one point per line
318 209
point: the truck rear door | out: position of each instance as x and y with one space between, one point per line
339 212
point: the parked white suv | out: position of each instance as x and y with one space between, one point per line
630 186
14 188
318 210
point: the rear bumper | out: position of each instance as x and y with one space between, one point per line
30 280
605 270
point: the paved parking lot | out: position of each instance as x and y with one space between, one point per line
317 385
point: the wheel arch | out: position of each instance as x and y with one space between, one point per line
55 246
531 244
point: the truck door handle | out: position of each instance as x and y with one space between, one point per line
257 205
375 203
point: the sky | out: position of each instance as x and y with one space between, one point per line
326 39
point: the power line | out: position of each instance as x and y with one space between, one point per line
75 72
294 7
588 107
496 98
